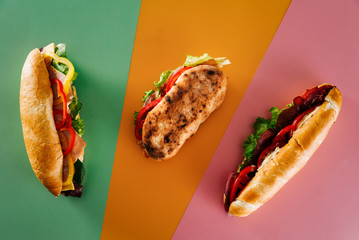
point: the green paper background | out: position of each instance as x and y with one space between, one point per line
99 37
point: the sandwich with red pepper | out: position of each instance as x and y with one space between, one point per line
280 147
184 98
52 127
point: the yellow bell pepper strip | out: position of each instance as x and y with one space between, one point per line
70 176
70 72
67 181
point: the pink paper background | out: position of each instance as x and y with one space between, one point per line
317 42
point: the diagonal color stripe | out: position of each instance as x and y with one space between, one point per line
99 37
314 44
147 198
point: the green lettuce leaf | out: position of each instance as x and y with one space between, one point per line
221 61
192 61
147 94
74 107
163 78
60 67
60 50
135 117
275 113
249 145
290 105
260 126
77 123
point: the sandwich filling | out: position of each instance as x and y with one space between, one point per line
270 135
69 125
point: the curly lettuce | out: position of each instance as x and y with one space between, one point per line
192 61
147 95
260 126
77 123
163 78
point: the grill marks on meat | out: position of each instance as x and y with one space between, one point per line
197 93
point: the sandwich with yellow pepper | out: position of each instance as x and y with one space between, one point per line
52 127
185 97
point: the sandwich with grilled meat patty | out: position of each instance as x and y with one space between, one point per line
185 98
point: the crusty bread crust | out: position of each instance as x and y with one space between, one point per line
287 161
40 135
195 95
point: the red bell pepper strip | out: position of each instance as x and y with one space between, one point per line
299 118
66 126
60 89
227 191
172 80
63 126
281 135
241 181
279 141
269 149
69 121
140 120
63 123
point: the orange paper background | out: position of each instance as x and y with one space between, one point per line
147 198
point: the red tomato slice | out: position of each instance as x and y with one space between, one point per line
140 120
174 77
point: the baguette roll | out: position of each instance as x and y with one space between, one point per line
196 94
282 164
41 138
